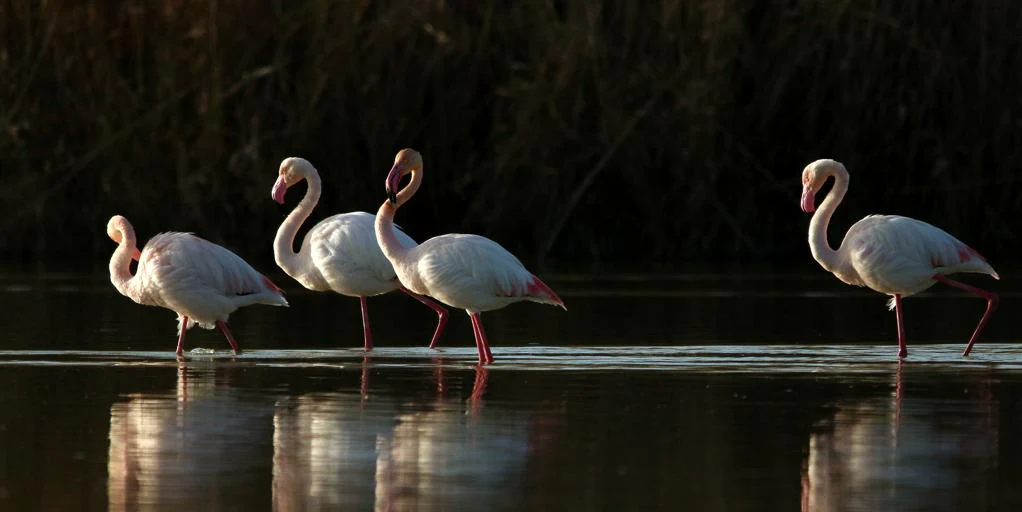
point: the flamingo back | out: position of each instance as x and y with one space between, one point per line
347 259
200 279
900 255
472 272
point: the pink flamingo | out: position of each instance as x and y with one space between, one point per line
894 255
200 281
339 253
468 272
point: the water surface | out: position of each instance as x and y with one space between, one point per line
713 392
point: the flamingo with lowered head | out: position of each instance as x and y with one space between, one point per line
200 281
895 255
339 253
468 272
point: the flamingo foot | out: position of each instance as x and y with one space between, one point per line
227 334
367 334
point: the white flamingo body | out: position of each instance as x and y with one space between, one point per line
469 272
899 255
340 253
345 258
200 281
895 255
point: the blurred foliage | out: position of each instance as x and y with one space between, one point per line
579 134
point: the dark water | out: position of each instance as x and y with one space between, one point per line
711 392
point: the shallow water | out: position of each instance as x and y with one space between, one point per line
709 392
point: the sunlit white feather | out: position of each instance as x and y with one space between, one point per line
469 272
199 279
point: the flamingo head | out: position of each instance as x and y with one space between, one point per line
292 170
406 162
813 178
118 228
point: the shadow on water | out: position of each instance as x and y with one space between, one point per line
628 402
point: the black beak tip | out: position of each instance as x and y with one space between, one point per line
392 197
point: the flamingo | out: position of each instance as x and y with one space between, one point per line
340 253
894 255
200 281
467 272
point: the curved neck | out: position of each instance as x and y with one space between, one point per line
283 243
385 235
413 186
822 251
120 263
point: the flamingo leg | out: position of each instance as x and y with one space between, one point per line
478 323
227 333
440 311
367 334
181 336
902 349
475 335
991 298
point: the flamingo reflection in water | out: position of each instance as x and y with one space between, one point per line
192 449
337 450
902 452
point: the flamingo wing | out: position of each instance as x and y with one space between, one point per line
185 263
479 270
344 249
901 254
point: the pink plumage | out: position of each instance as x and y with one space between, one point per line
894 255
468 272
200 281
339 253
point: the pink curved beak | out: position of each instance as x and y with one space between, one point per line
808 199
279 189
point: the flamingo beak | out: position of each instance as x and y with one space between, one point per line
808 199
393 179
279 189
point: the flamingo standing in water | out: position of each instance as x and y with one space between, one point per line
200 281
891 254
340 253
468 272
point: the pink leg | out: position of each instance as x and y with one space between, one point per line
475 335
440 311
227 333
902 349
991 298
181 337
482 337
366 333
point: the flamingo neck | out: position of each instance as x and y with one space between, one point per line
413 186
120 263
822 252
283 244
392 248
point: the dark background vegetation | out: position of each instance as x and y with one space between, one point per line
580 134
